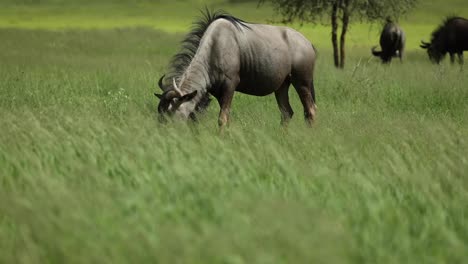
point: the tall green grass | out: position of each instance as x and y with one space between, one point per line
87 174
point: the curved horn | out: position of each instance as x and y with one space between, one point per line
175 87
160 82
424 44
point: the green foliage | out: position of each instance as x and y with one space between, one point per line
304 11
320 10
378 10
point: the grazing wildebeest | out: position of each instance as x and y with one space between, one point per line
224 54
451 37
392 42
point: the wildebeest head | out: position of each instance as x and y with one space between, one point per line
435 55
171 100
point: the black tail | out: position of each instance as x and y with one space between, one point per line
375 52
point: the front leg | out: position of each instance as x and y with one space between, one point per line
224 99
225 104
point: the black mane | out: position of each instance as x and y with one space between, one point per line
190 43
440 29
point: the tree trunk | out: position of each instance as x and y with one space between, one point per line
344 29
334 22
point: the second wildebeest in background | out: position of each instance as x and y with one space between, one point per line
451 37
392 42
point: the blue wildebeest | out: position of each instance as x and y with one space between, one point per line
451 37
392 42
224 54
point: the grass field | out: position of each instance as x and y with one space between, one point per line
87 175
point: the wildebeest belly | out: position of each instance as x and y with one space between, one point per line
265 75
258 89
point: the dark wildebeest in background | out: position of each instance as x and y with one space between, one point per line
224 54
451 37
392 42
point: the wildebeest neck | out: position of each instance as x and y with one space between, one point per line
195 78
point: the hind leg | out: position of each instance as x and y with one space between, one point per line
306 92
312 91
460 57
452 58
282 98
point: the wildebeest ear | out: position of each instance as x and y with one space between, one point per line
158 95
188 96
